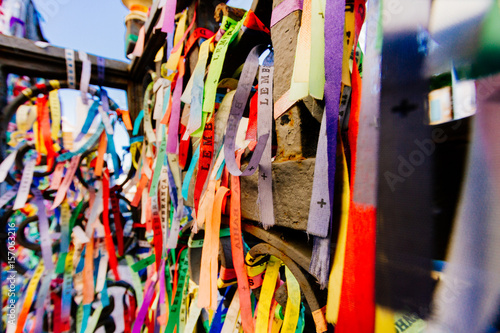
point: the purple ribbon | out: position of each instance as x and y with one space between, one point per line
8 196
43 227
334 48
237 108
173 128
141 316
264 125
41 299
169 18
101 65
14 21
318 223
161 273
320 261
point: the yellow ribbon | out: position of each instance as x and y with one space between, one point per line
266 295
335 282
299 87
317 71
28 298
173 60
292 305
348 44
55 114
384 320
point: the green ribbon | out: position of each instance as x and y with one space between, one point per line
215 70
62 258
175 308
486 62
136 281
197 243
143 263
159 163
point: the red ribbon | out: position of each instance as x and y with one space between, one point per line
198 33
44 131
357 302
205 161
110 246
56 314
115 206
183 148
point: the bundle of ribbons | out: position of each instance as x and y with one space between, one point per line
103 234
197 132
148 237
58 174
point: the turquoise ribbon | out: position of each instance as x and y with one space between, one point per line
89 144
189 174
93 110
137 123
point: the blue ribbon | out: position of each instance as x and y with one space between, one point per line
93 111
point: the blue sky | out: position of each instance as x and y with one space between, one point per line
94 26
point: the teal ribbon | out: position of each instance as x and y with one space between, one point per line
219 172
104 295
189 174
86 316
137 123
114 156
89 144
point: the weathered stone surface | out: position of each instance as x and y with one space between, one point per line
292 188
297 130
315 107
284 35
297 134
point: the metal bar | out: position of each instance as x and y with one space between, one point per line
23 57
291 242
308 287
135 97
